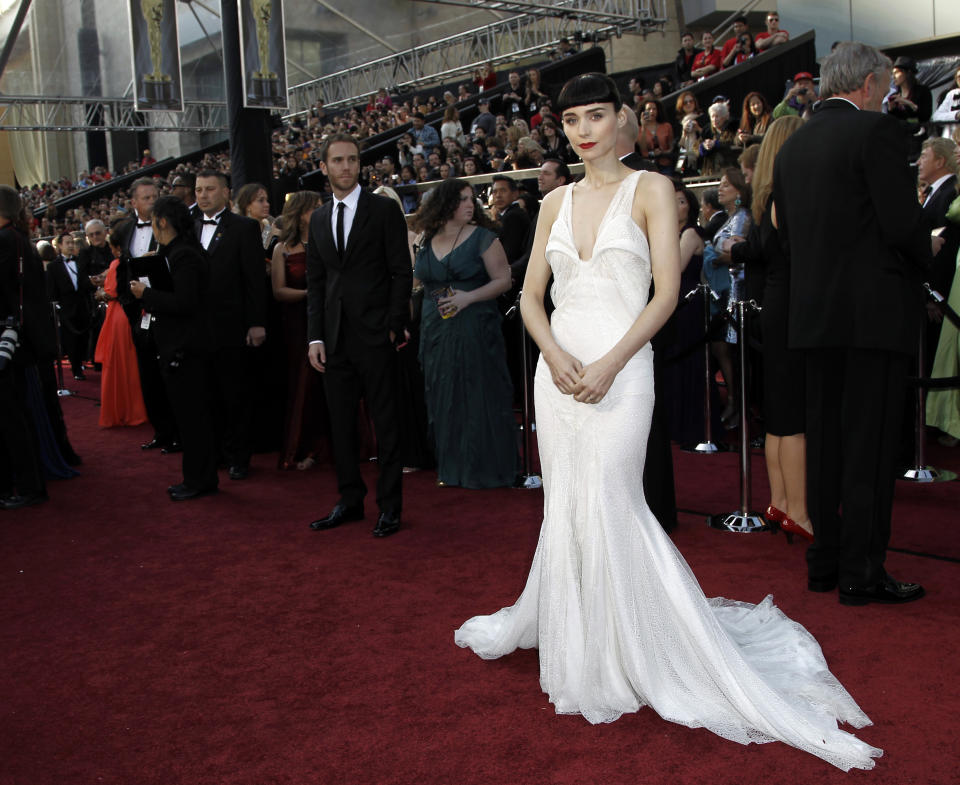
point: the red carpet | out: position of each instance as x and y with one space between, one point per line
222 642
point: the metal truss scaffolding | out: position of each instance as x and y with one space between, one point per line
77 113
535 31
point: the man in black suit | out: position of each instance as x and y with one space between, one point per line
69 285
847 214
627 142
237 301
135 238
937 168
95 257
358 295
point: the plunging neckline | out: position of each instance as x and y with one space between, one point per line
454 248
600 226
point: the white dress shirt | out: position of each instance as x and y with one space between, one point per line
209 230
71 265
349 213
140 241
934 186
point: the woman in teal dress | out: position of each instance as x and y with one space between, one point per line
463 268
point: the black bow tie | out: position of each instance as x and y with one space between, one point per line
144 224
210 221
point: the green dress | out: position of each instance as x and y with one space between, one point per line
943 406
467 385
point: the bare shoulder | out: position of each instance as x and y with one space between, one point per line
653 198
550 205
652 187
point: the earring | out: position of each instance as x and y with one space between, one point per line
737 203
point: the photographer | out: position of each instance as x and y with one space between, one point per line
21 475
407 149
742 50
656 137
799 99
732 46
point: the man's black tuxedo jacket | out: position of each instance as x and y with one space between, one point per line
75 309
95 259
514 222
637 162
848 216
236 294
369 288
935 214
182 315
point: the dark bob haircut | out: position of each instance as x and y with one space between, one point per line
589 89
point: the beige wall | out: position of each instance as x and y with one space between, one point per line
6 160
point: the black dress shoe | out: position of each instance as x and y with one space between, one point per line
239 472
339 514
887 591
16 500
821 584
153 444
171 448
80 377
387 524
183 492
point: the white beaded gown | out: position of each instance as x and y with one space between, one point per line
617 615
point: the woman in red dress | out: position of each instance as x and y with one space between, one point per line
305 425
121 402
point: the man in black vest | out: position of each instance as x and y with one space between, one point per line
847 214
358 295
237 302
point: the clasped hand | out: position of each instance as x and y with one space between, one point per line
456 302
586 384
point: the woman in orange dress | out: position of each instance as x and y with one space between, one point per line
121 402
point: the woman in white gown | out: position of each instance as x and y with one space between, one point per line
618 617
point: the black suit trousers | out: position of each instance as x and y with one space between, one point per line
658 485
155 399
855 407
188 388
234 394
354 371
19 449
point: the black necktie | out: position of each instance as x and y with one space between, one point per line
340 208
143 224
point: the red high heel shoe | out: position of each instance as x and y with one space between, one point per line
775 520
790 526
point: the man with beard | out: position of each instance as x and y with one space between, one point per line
358 299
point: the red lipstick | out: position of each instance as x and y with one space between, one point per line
587 145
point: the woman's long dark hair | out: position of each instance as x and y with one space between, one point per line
441 203
178 217
296 205
693 204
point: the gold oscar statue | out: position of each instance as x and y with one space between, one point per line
153 13
262 9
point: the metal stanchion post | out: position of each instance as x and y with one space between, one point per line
62 391
920 472
526 479
707 446
743 520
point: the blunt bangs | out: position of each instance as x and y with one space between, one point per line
589 89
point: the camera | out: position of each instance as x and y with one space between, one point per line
9 341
